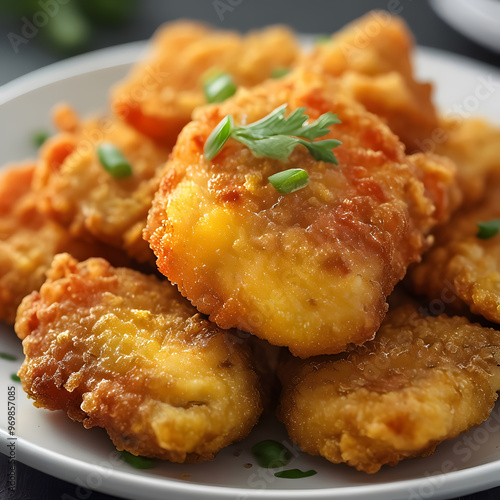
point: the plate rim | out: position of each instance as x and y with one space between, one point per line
462 481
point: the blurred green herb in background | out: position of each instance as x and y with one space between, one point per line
67 25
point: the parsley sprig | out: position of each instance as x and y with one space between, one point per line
276 136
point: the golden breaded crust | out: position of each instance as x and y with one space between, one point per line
29 240
461 271
159 95
75 190
373 55
124 351
474 145
309 270
420 382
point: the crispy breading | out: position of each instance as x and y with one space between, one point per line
373 55
421 381
159 95
29 241
79 193
309 270
462 271
121 350
474 145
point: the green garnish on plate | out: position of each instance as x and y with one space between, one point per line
294 474
488 229
271 454
136 461
7 356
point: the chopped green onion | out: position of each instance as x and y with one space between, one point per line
322 39
279 72
8 357
218 138
295 474
290 180
39 137
113 161
15 378
271 454
219 87
136 461
488 229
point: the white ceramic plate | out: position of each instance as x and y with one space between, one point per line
52 443
478 20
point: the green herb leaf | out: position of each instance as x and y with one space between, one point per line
280 72
8 357
294 474
275 136
271 454
290 180
137 461
113 161
39 137
488 229
15 378
219 87
218 137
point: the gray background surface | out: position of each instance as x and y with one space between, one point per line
311 16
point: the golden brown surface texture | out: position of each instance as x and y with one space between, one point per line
373 55
79 193
158 97
29 240
474 145
121 350
309 270
462 271
421 381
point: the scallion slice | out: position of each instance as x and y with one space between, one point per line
219 88
294 474
488 229
137 462
113 161
218 137
290 180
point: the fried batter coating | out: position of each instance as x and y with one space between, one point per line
79 193
421 381
309 270
29 241
160 94
121 350
462 271
474 145
374 57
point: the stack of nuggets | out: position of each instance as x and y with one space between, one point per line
310 270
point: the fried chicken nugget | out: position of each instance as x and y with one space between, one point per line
160 94
373 56
421 381
76 190
308 270
29 241
121 350
474 145
462 271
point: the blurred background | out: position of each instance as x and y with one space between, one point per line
35 33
